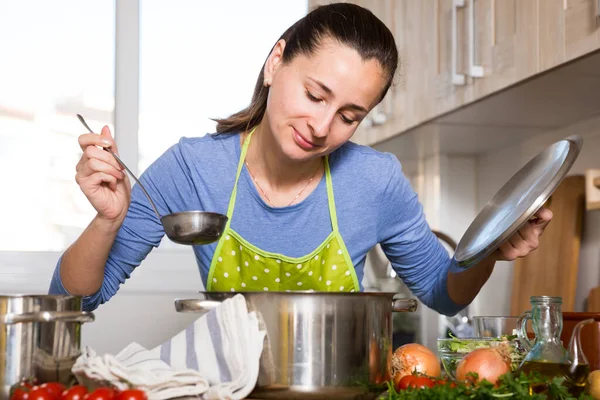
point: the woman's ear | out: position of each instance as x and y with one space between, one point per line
273 62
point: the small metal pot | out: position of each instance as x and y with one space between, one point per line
319 345
40 337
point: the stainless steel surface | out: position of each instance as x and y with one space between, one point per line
46 316
45 350
194 227
187 227
475 71
319 345
517 201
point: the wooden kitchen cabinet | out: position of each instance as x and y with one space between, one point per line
501 50
507 42
581 28
567 29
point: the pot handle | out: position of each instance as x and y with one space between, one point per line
47 316
195 305
403 304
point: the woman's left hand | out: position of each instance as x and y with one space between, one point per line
526 239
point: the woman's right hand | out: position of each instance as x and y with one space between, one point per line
101 178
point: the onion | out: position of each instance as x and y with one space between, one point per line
594 384
489 364
414 357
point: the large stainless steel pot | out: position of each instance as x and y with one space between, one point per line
319 345
40 337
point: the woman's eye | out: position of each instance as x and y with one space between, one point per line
346 120
312 97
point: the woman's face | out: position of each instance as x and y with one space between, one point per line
316 102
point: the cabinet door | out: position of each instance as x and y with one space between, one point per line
414 30
551 33
582 28
451 57
513 41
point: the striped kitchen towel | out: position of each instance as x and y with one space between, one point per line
216 357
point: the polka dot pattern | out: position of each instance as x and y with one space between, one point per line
238 267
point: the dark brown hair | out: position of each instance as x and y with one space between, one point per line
346 23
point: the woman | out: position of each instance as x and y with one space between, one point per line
304 204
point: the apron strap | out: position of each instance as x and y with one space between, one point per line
237 176
330 198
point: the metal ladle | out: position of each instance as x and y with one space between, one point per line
187 227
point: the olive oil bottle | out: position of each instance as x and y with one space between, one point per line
575 375
546 354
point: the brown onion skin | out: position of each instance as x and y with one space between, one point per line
488 363
414 357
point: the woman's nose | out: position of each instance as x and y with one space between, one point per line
320 124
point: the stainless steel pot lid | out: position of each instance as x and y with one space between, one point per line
517 201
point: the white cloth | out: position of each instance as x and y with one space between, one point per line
216 357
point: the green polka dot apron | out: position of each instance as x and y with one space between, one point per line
238 265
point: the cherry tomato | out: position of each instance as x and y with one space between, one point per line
20 393
132 394
101 394
421 382
405 382
54 388
76 392
38 393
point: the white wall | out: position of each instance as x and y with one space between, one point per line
446 188
453 189
497 167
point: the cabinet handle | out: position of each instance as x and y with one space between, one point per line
476 71
457 79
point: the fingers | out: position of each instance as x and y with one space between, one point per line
98 160
95 180
543 218
507 252
520 244
105 139
105 134
527 239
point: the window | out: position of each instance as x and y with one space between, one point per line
55 62
198 60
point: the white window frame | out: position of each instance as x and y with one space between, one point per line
30 272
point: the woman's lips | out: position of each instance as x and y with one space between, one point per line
305 144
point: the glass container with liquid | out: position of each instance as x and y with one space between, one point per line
546 354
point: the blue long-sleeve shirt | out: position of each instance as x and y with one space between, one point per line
374 201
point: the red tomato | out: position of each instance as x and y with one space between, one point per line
54 388
101 394
421 382
405 382
77 392
20 393
38 393
132 394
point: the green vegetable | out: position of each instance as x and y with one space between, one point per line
466 346
512 387
458 346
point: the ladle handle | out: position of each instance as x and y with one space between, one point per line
124 166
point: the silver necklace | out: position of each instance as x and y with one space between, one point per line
265 194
